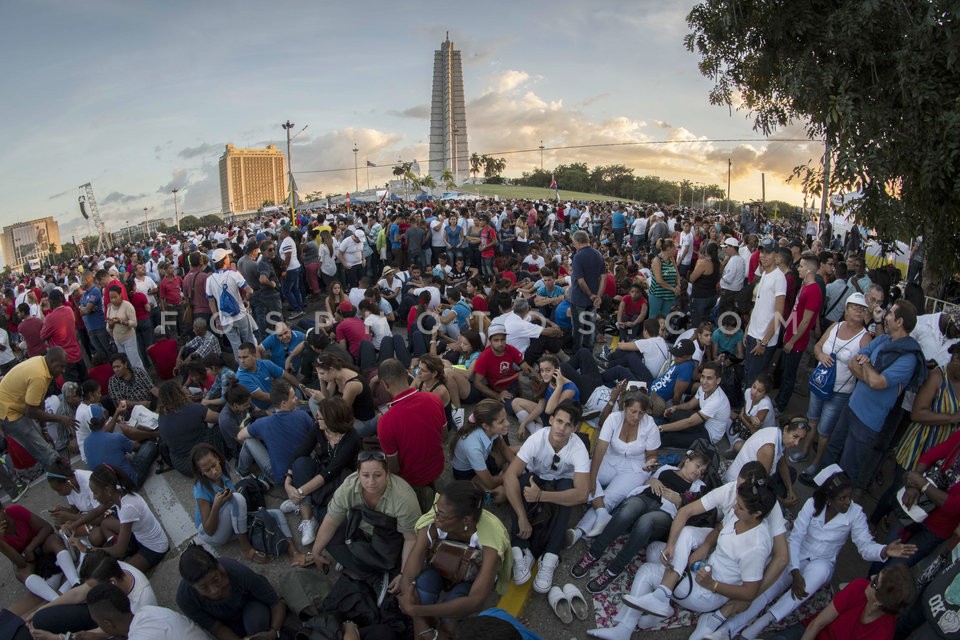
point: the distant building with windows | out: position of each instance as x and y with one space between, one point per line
30 243
250 177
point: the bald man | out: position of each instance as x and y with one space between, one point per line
278 347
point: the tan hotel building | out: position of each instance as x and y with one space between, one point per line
28 241
250 177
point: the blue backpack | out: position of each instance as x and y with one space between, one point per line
227 303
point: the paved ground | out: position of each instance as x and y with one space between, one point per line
170 495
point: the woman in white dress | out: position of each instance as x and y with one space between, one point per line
766 446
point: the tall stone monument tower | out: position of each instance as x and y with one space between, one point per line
448 116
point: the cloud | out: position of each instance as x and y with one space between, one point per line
59 195
510 80
180 180
201 150
116 197
419 112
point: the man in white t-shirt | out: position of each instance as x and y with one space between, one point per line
110 609
291 281
644 357
552 466
522 334
706 415
223 282
768 313
685 250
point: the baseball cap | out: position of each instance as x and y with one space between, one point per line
97 412
769 245
219 255
732 242
857 298
496 330
345 307
795 243
683 348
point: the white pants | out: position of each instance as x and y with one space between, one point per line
616 480
816 573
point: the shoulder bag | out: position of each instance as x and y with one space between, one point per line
456 562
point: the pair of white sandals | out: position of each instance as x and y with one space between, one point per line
567 602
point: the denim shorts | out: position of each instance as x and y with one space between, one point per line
827 412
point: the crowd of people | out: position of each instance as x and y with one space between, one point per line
446 399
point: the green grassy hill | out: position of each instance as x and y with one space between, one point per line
529 193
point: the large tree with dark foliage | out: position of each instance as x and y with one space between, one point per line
878 79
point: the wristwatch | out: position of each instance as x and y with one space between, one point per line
299 491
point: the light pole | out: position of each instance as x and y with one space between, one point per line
541 155
287 126
146 223
176 212
356 175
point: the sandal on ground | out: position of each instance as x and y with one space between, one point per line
259 557
560 605
578 604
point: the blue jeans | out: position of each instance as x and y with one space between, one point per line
430 586
26 432
233 521
660 307
700 309
857 445
584 327
100 340
291 289
789 362
642 517
252 452
755 365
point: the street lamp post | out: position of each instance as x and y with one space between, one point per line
176 212
287 126
146 223
356 175
541 155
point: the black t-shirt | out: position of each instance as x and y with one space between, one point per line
183 429
245 586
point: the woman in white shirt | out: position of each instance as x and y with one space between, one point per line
843 340
625 454
328 259
645 516
823 526
767 446
733 571
74 485
757 413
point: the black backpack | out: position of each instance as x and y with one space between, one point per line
252 491
711 477
264 533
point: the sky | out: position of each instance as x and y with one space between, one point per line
139 98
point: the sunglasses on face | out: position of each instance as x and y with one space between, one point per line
875 582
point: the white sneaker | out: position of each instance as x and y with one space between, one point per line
289 507
308 532
603 519
656 603
707 624
545 569
521 565
572 537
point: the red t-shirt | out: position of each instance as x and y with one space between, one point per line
60 330
753 265
30 329
195 290
354 332
164 356
480 303
20 538
106 293
412 430
609 286
632 307
12 317
102 374
810 298
139 302
488 236
510 275
499 371
943 520
850 603
170 290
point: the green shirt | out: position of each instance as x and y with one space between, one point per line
398 501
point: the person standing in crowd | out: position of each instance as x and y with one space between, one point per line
585 285
799 326
290 259
226 290
91 308
59 330
767 314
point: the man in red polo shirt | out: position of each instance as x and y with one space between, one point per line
351 330
411 431
60 330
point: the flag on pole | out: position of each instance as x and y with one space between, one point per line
370 164
383 198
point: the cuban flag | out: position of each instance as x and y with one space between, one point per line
370 164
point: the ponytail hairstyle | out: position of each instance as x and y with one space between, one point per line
236 393
665 243
758 496
484 412
796 424
834 486
465 498
108 476
434 364
753 471
59 473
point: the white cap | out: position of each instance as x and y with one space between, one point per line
496 330
731 242
858 299
826 473
219 255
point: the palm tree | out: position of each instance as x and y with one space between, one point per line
448 180
429 183
476 161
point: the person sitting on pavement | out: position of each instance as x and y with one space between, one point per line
129 383
35 550
110 609
497 369
472 446
103 446
706 415
339 378
259 376
203 343
184 424
556 389
278 347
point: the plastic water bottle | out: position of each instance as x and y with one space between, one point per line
700 564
